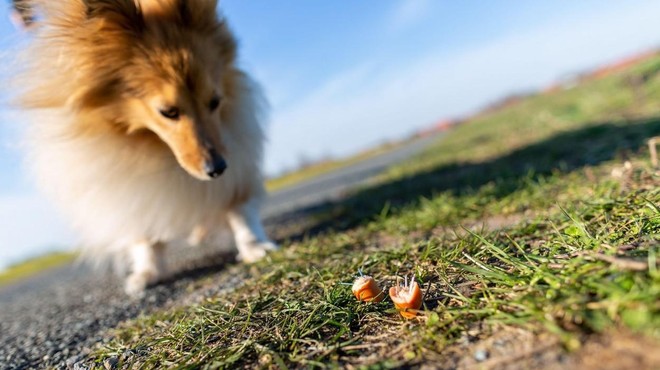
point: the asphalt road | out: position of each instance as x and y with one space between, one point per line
332 186
53 319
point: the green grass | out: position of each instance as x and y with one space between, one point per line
514 219
34 266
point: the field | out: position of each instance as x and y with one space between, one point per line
34 266
533 231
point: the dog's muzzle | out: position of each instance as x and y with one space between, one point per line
216 165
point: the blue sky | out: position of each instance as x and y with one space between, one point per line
344 75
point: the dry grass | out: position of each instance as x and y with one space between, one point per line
34 266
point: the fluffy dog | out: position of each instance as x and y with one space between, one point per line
144 128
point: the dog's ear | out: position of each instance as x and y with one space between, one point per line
198 14
124 14
203 16
226 43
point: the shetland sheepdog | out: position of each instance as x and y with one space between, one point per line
143 127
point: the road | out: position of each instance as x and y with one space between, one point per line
53 319
332 186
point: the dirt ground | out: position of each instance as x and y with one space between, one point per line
516 348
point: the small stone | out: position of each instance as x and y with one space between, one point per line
70 363
80 366
127 354
110 363
481 355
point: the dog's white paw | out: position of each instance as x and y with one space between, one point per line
137 282
255 251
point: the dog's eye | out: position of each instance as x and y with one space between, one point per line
172 113
214 103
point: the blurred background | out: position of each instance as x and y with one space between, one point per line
345 76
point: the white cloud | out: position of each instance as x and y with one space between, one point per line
378 101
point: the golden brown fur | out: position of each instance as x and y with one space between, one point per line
130 93
122 62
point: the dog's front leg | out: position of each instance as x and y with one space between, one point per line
147 266
249 234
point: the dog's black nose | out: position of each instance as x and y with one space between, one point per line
215 166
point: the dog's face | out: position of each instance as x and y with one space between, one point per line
177 92
186 119
166 66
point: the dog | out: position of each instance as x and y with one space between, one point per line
143 127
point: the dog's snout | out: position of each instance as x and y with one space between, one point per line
215 165
215 168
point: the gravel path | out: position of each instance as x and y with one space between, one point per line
53 324
53 319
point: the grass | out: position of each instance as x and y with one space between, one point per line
34 266
523 218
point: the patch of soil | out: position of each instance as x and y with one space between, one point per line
617 350
506 348
517 348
